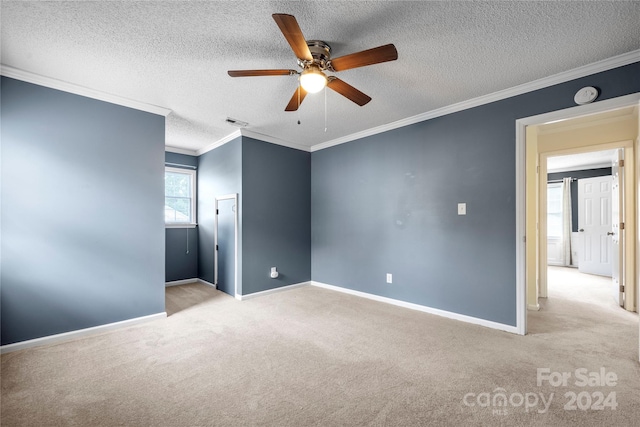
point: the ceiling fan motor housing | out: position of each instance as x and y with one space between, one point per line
321 53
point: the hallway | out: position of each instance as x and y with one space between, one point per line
582 303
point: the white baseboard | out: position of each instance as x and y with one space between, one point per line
204 282
423 308
67 336
271 291
533 307
181 282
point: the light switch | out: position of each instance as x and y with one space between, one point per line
462 208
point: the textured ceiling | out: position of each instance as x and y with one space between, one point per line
176 55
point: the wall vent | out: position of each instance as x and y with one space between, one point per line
236 123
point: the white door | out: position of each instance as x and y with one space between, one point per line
594 222
226 244
617 235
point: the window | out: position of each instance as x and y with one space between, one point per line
179 196
554 210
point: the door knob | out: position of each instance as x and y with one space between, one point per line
581 230
610 233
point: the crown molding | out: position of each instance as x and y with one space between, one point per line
565 76
596 67
219 143
273 140
52 83
179 150
254 135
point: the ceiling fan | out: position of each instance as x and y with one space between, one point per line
314 57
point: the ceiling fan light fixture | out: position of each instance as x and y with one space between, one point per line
314 57
312 79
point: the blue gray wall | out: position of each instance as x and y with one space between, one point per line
276 219
219 174
388 204
587 173
82 212
273 185
181 254
177 160
181 244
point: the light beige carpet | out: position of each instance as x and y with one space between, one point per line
311 356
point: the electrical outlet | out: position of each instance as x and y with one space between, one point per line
462 208
389 278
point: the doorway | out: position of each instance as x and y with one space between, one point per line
530 250
583 245
598 238
226 244
580 211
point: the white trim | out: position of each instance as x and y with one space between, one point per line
596 67
180 166
193 175
580 168
204 282
180 150
181 282
582 110
273 291
67 336
52 83
533 307
521 190
236 219
521 242
423 308
254 135
273 140
219 143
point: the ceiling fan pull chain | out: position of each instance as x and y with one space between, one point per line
299 89
325 108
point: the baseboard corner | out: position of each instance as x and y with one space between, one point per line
204 282
272 291
80 333
423 308
180 282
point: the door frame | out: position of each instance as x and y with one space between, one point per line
521 150
542 204
233 197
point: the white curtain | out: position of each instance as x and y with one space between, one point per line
566 221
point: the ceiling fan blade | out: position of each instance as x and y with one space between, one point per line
291 31
295 102
376 55
255 73
348 91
